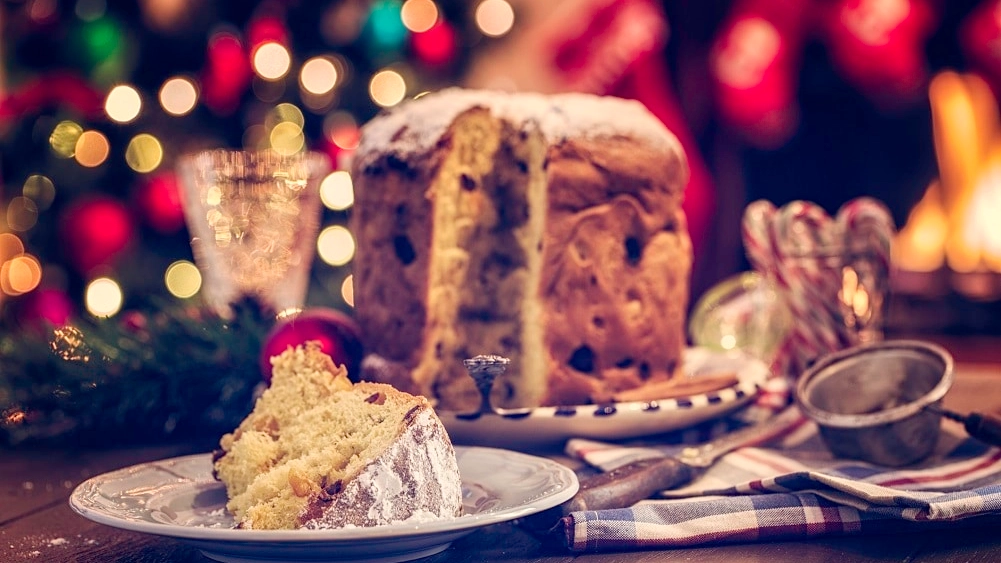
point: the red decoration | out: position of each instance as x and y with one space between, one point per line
137 323
754 66
54 89
339 144
336 332
227 73
265 29
45 306
159 203
613 47
437 46
879 46
94 231
596 49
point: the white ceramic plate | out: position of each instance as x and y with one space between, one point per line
551 426
179 498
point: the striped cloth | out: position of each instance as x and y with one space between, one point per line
792 489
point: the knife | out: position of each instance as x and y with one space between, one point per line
626 485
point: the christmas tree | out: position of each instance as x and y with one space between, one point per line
100 298
103 99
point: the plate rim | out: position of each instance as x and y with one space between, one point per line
750 385
390 532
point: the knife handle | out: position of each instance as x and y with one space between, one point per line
629 484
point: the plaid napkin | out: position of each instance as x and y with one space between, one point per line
792 489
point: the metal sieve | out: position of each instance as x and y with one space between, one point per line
879 402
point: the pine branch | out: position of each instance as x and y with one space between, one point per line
180 372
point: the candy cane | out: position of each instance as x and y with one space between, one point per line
756 231
805 240
868 231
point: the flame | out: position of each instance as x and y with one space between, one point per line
920 244
956 222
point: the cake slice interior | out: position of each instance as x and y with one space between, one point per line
311 452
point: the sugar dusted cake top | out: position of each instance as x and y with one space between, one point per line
416 125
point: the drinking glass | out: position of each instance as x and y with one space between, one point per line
253 217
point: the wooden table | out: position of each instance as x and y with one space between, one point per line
37 525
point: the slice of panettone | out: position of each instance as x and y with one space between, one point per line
320 452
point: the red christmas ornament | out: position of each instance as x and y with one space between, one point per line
437 46
754 65
159 203
94 231
879 46
336 332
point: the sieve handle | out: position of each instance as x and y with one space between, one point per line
984 427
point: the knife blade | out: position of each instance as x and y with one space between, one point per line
626 485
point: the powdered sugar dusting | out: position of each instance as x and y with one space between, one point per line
415 480
417 125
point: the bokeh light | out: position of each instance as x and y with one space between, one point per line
318 75
91 149
272 61
10 246
144 153
387 88
437 46
341 22
342 130
64 138
103 297
384 31
22 214
40 189
337 191
178 96
419 15
287 138
348 290
20 275
183 279
123 104
90 10
335 245
494 17
284 113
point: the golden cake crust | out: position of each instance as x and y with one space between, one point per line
587 191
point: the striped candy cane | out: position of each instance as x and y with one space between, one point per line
808 257
868 231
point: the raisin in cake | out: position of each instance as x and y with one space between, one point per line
547 229
319 452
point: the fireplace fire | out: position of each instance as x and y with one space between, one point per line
951 241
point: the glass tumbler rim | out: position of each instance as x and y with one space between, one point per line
318 162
